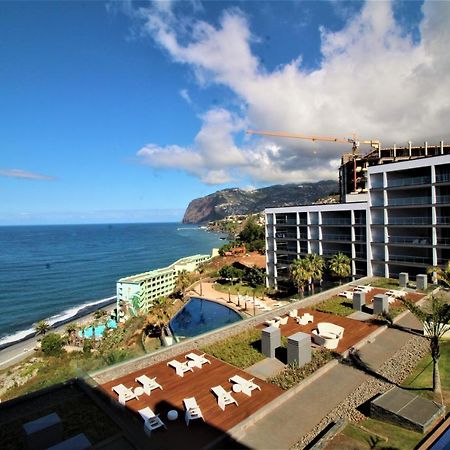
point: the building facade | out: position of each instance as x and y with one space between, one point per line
137 293
404 226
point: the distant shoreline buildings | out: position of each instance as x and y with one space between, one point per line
394 216
137 293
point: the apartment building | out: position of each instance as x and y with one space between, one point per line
403 224
137 293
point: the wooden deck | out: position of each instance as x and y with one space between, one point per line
355 330
411 296
194 384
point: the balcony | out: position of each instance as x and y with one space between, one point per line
410 258
283 235
336 237
405 201
415 240
409 181
443 240
443 220
409 221
336 221
443 199
442 177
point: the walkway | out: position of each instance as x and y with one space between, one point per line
284 426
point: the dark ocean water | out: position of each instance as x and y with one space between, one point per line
52 272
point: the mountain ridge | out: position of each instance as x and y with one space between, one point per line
236 201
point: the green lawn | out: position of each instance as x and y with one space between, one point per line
375 434
339 306
422 375
242 350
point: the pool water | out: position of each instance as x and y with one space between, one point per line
98 330
199 316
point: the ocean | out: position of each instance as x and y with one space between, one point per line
55 272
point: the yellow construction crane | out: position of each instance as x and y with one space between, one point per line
354 141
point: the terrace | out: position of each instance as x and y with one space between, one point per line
197 383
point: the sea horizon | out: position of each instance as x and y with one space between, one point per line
52 272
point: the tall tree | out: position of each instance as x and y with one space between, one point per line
435 319
183 281
442 274
340 266
316 265
300 273
42 327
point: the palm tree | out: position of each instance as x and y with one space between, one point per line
340 266
442 274
183 281
435 322
315 265
300 273
70 330
42 327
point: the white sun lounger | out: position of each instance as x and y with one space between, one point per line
124 393
293 313
197 360
346 294
193 411
148 383
224 398
364 288
180 367
151 420
247 386
305 319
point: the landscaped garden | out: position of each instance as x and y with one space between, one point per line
340 306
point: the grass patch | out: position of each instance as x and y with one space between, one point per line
243 289
385 283
340 306
241 350
375 434
422 377
292 374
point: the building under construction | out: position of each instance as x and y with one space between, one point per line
353 169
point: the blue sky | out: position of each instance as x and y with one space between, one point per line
124 112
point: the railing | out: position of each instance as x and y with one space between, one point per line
409 181
286 222
409 201
443 240
336 221
328 254
360 221
409 221
336 237
442 177
409 240
410 258
361 255
443 220
281 235
443 199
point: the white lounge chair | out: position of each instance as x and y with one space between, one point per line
247 386
272 323
284 320
326 328
224 398
180 367
148 383
197 360
293 313
193 411
364 288
305 319
124 393
346 294
151 420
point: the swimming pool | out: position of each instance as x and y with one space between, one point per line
199 316
98 330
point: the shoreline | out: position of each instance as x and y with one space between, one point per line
81 316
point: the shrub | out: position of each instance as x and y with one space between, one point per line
87 346
292 374
52 344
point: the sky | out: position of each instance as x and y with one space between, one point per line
126 111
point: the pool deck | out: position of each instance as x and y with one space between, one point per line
197 383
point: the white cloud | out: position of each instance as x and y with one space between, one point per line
184 93
24 174
373 80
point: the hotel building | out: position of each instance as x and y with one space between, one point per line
402 223
138 292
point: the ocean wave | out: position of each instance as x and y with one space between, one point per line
57 319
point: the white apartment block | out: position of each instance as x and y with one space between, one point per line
404 226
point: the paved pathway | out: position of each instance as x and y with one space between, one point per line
284 426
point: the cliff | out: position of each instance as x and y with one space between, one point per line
237 201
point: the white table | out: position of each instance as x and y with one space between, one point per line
138 391
172 415
237 388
